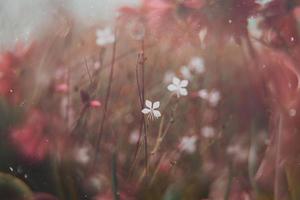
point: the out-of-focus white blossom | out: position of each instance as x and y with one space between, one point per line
208 132
186 72
134 137
168 76
292 112
238 152
188 144
197 65
82 155
105 36
202 36
213 97
178 87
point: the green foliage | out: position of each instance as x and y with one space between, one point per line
293 179
9 115
13 188
173 193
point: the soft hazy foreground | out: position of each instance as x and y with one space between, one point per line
150 100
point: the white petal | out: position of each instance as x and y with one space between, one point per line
148 104
214 97
203 94
146 111
183 91
172 87
100 42
156 113
184 83
156 105
202 34
176 81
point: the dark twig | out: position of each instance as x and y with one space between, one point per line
106 101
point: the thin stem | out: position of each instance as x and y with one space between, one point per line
88 71
277 161
229 182
107 96
115 187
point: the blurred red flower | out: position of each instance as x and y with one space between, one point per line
33 138
184 19
9 62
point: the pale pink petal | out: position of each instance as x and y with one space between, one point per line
95 103
63 87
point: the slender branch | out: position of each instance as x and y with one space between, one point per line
106 101
115 187
87 70
277 161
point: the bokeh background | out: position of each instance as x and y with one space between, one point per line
21 19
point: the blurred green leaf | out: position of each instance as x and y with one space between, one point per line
293 179
14 188
173 193
9 115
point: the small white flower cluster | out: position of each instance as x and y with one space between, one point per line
177 86
196 65
213 97
105 36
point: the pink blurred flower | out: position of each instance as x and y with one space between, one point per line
9 62
183 20
44 196
33 137
95 103
62 87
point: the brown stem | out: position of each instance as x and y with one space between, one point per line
106 101
277 161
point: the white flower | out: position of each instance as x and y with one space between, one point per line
197 64
213 97
238 152
208 132
168 76
82 155
178 86
150 109
203 94
186 72
134 137
202 36
292 112
105 36
188 144
253 27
